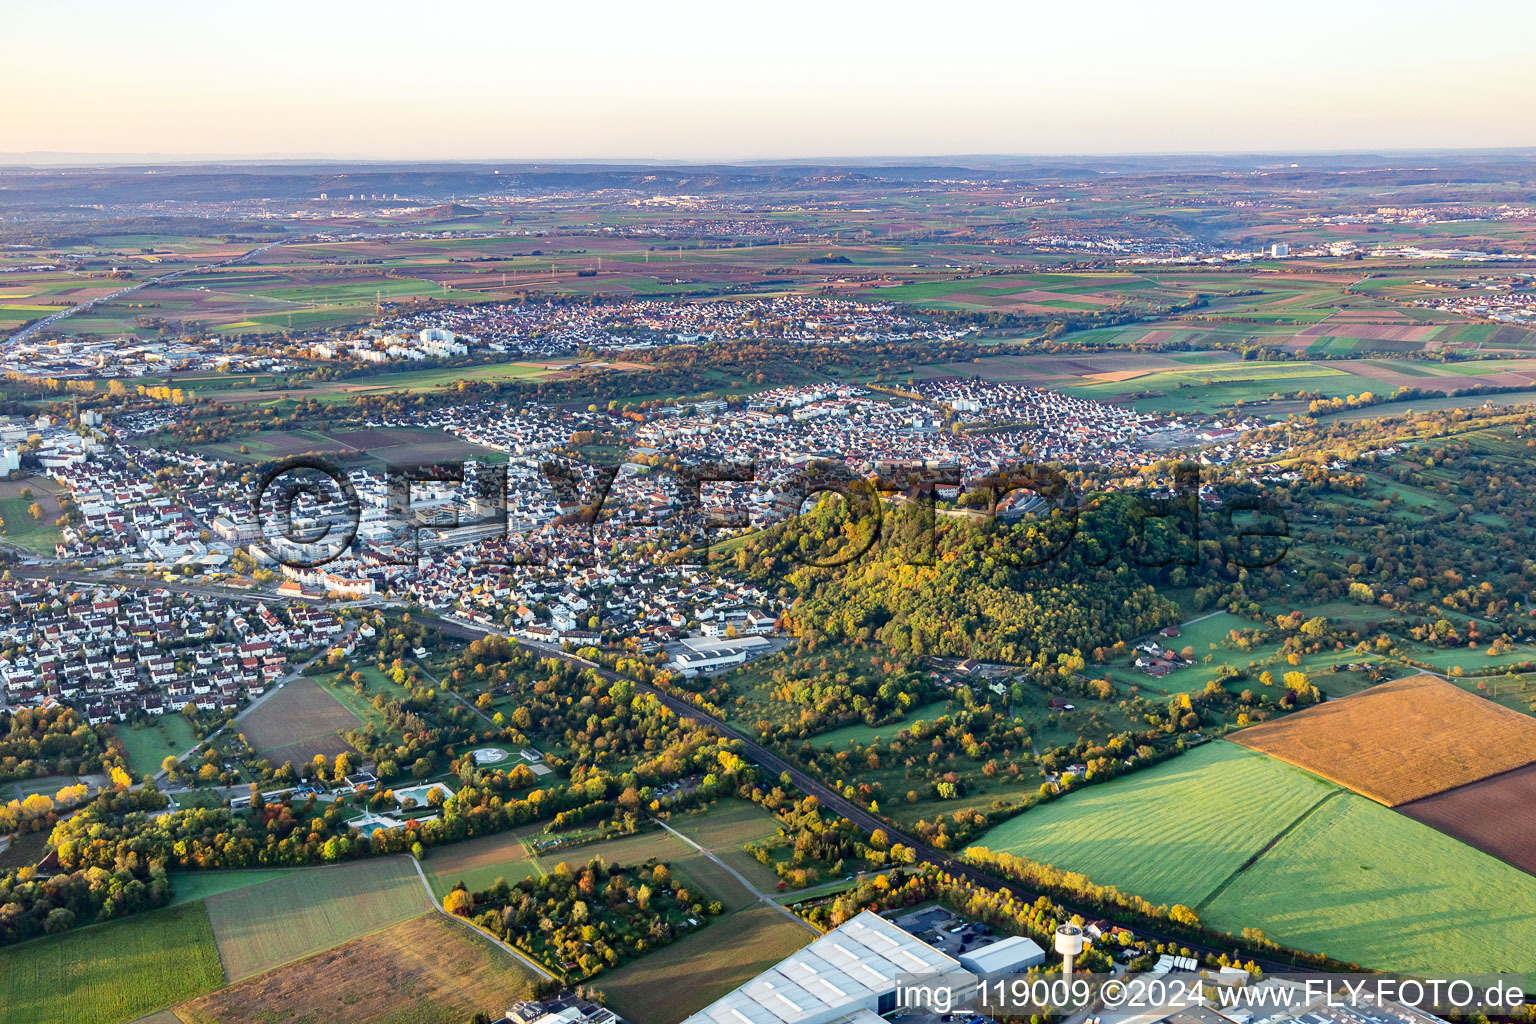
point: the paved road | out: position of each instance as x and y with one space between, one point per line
834 801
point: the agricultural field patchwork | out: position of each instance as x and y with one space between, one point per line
1367 885
479 862
1496 815
1402 740
1256 843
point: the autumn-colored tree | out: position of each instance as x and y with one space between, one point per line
459 902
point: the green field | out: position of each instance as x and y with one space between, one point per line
111 973
1363 883
23 530
262 926
191 886
1171 833
149 745
723 829
1214 388
1256 843
866 734
479 862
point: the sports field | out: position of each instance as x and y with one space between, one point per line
262 926
1368 885
1171 833
156 959
1402 740
427 970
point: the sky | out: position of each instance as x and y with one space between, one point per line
652 79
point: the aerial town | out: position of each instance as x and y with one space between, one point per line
485 544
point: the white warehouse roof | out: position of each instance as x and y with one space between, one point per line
1004 956
844 972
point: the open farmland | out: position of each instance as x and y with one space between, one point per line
1402 740
1496 815
427 970
1215 380
1365 884
1251 842
688 975
479 862
1227 803
298 722
110 973
724 829
262 926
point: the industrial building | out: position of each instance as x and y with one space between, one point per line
698 655
847 975
1012 955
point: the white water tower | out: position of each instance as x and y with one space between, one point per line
1069 943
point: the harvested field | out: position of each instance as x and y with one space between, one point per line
390 445
669 984
297 722
425 971
1402 740
264 926
1496 815
1375 332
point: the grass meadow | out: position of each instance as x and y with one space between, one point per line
1366 884
155 960
1171 833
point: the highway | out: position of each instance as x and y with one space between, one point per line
53 318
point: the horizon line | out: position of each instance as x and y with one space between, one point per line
44 158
